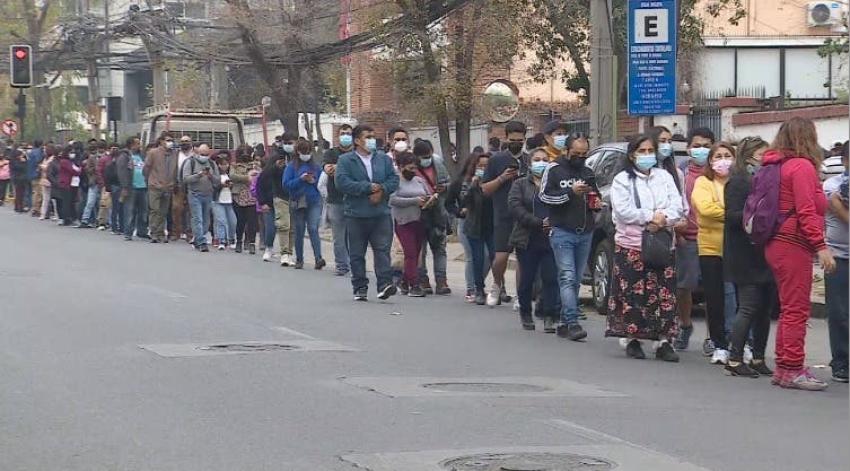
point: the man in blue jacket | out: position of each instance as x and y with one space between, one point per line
366 177
34 158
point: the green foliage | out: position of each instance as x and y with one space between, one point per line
69 113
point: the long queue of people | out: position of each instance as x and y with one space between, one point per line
740 222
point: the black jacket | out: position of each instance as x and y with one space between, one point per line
270 183
18 167
743 262
566 209
332 157
479 209
521 205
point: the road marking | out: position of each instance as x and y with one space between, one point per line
293 332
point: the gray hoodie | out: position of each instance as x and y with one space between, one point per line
199 182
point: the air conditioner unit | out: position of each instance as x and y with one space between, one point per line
823 13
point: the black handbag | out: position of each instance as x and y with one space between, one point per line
656 248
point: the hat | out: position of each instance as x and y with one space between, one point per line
553 126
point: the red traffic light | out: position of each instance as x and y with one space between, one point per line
20 54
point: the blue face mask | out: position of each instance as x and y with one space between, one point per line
345 140
645 162
479 172
700 155
560 142
371 144
425 163
538 168
665 149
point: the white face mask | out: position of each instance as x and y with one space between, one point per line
305 157
400 146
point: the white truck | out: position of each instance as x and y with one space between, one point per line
220 130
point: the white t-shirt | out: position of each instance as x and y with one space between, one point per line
225 196
367 162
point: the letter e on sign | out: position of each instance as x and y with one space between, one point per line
651 26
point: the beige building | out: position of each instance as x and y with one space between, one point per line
775 48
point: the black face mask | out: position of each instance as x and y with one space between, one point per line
515 147
185 147
577 162
408 174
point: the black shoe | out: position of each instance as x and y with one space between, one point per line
320 263
205 248
414 292
426 287
361 296
504 297
299 265
573 332
480 297
252 249
527 321
154 240
739 368
144 237
388 291
83 225
760 367
442 288
665 352
839 375
634 350
238 247
128 238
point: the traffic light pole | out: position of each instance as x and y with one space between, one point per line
22 112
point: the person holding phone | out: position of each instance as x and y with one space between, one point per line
301 178
202 179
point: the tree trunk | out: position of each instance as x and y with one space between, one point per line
464 58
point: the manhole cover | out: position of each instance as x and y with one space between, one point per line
486 387
249 347
528 462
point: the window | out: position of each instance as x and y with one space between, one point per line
193 10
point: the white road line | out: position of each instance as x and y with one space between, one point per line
289 331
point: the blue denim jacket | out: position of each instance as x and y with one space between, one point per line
352 180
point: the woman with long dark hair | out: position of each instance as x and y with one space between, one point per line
802 206
642 305
301 178
244 203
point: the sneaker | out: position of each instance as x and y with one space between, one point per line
684 338
516 305
361 296
549 325
299 265
340 272
573 332
760 367
238 248
503 296
267 255
739 368
101 227
748 354
720 357
708 347
221 246
285 260
469 297
480 298
805 381
839 375
205 248
154 240
415 292
232 245
426 286
527 321
635 350
388 291
320 263
665 352
493 298
128 238
83 225
252 248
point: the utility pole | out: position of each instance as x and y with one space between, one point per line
603 111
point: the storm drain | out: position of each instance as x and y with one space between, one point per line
177 350
528 462
487 388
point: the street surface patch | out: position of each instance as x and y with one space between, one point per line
561 458
478 387
243 348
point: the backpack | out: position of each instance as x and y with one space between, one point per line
762 217
110 172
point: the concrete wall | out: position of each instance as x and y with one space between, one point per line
830 130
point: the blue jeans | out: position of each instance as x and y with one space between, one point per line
363 232
92 201
116 216
269 231
531 259
200 207
730 305
136 213
571 252
836 312
480 262
336 217
308 218
225 222
468 275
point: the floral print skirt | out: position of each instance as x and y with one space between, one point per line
642 304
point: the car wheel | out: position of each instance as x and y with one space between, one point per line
603 263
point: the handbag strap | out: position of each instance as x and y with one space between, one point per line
634 190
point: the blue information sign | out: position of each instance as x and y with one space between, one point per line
653 30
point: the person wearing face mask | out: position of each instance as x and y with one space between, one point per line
366 177
179 198
435 218
555 135
708 203
334 200
282 211
569 191
399 141
202 179
407 203
751 150
301 179
642 304
502 169
159 171
700 141
244 203
531 239
134 198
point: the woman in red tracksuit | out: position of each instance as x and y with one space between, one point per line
789 253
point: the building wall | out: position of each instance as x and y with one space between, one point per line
765 18
830 130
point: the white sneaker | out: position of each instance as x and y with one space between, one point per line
101 227
720 357
267 255
232 246
286 260
221 246
748 354
493 297
516 304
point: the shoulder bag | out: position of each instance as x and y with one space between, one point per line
656 248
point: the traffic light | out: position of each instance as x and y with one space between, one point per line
20 65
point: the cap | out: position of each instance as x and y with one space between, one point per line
553 126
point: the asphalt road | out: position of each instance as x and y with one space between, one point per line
100 369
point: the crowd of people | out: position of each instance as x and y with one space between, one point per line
742 223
